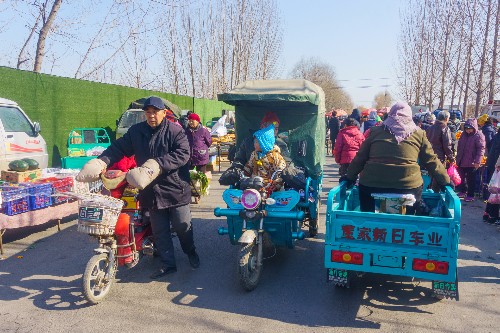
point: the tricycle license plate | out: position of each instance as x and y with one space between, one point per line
337 276
91 214
445 289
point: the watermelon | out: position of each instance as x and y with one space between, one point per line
32 164
18 165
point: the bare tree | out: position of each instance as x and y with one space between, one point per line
493 72
220 43
21 58
447 50
47 22
382 99
479 90
323 75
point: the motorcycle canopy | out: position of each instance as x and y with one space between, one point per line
300 106
138 104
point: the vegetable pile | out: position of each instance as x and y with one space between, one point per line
202 178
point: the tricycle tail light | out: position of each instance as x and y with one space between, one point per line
250 199
430 266
346 257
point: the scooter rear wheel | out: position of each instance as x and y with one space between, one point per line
248 268
96 284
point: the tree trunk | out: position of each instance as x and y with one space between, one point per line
493 74
479 92
472 18
44 32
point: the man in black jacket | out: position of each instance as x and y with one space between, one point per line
162 150
334 126
440 138
454 126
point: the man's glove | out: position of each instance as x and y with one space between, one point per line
91 170
143 176
349 183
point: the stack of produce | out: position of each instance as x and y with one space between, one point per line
226 139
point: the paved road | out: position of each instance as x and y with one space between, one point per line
41 291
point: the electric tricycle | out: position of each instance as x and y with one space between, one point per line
257 217
421 247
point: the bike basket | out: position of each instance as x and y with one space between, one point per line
98 214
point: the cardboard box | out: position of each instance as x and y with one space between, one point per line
21 177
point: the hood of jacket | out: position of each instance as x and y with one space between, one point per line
472 122
350 131
373 115
356 114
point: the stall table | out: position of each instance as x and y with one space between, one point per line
222 151
37 217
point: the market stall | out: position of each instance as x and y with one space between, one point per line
220 148
38 198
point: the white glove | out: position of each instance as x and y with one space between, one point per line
91 170
143 176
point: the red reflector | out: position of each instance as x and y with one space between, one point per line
430 266
345 257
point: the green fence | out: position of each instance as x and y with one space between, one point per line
60 104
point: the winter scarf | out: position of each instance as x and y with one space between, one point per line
399 121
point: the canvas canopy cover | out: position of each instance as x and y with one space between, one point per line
138 104
300 106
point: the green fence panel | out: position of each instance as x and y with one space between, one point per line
60 104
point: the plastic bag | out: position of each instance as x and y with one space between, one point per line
494 185
494 198
454 175
219 128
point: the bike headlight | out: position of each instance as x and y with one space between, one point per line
250 199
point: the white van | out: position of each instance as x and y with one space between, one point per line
492 108
19 137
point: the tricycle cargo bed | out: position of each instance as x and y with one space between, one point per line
393 243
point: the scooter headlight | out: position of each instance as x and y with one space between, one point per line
250 199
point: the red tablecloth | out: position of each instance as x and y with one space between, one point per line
39 216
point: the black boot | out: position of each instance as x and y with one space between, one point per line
194 259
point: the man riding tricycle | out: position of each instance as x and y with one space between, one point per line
268 203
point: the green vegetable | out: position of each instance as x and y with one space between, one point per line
32 164
204 181
18 165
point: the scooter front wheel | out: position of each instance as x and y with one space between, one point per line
249 268
96 281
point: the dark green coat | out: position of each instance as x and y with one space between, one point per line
382 162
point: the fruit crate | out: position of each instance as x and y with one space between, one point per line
59 186
40 195
15 199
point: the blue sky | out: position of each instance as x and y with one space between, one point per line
356 37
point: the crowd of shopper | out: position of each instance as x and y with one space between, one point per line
383 147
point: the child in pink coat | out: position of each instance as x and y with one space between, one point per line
347 144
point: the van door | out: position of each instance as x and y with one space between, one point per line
18 139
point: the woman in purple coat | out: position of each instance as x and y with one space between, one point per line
470 151
199 140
